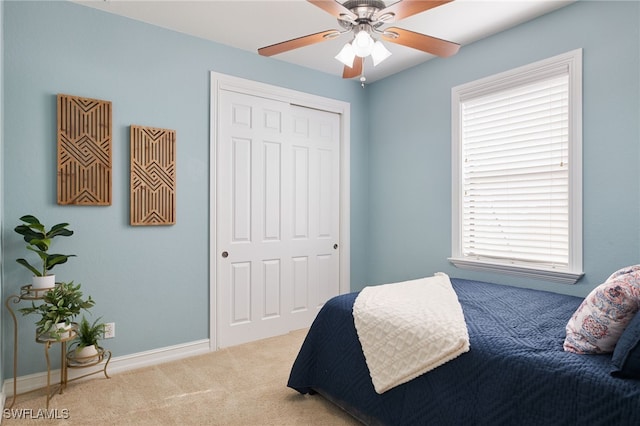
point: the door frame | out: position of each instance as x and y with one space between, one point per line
227 82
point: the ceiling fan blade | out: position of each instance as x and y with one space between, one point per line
334 8
354 71
433 45
295 43
404 9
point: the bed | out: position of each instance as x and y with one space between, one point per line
515 373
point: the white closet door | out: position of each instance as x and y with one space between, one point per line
277 215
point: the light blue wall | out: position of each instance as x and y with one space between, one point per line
410 154
151 281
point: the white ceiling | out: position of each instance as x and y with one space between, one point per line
249 25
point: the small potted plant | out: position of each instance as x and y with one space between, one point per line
39 240
86 341
60 306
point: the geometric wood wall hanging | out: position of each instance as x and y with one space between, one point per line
84 151
153 176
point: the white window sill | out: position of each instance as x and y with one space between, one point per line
552 275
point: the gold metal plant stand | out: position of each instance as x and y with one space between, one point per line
48 342
74 361
29 293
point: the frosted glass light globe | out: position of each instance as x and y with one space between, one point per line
362 44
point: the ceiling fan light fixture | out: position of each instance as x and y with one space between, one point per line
362 44
364 20
379 53
346 55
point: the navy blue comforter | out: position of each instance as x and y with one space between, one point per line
516 372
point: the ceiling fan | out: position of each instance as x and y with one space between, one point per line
364 18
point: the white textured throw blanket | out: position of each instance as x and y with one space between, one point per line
409 328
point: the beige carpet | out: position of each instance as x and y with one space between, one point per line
242 385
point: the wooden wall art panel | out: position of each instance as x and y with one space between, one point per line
84 151
153 176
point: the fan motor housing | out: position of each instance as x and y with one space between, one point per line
364 9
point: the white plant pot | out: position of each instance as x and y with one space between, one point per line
63 334
48 281
86 354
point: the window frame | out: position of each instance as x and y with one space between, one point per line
572 63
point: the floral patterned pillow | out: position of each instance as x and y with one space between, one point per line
599 321
623 271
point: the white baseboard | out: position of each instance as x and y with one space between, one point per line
116 365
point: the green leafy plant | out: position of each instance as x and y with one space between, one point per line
89 333
60 305
39 240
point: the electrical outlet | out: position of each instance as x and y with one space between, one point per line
110 330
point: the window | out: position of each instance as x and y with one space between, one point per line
517 173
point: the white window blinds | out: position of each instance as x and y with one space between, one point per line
517 171
515 174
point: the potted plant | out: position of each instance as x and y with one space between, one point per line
60 305
39 240
86 341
